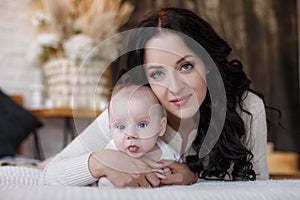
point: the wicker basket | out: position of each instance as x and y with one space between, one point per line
71 84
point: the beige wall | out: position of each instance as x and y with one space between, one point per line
17 76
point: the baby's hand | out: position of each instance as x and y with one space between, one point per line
103 182
162 173
167 171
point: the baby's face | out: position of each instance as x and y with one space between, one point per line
135 122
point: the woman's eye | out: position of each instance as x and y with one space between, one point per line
142 125
186 67
157 74
121 127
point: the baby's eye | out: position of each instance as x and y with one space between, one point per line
157 74
142 125
186 67
121 127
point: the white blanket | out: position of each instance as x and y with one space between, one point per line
21 183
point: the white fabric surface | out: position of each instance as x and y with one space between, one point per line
19 183
17 175
287 190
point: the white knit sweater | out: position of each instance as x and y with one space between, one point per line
70 166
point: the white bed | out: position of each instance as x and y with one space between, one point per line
21 183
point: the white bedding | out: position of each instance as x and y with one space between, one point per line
21 183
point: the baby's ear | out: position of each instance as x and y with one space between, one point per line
163 126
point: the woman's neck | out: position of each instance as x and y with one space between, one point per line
184 126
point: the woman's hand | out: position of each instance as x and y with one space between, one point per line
181 175
123 170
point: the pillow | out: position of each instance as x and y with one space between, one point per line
16 123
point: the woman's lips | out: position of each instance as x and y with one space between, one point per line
181 101
133 148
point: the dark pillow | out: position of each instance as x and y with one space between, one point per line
16 123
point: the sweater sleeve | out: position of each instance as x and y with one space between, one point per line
70 166
256 134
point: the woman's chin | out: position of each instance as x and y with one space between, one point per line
186 113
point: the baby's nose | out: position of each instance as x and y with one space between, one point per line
131 137
131 133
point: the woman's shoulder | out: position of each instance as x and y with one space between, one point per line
103 117
251 102
254 120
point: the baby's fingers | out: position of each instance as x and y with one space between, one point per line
159 173
167 171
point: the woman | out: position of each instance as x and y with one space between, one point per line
214 120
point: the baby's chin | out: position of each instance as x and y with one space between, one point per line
134 154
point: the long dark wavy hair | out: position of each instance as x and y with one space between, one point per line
229 147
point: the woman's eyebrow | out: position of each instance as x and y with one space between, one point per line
177 62
183 58
154 67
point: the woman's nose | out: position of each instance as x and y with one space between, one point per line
175 83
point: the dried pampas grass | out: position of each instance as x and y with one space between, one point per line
101 27
95 18
103 18
123 14
62 12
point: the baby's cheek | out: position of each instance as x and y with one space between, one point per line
148 144
119 142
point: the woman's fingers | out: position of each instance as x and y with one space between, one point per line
123 170
180 175
141 180
152 179
173 179
122 180
157 165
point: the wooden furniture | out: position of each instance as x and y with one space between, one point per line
68 115
285 176
18 99
283 165
65 112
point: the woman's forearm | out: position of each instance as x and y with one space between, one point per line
96 166
68 171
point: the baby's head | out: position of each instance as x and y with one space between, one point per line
136 119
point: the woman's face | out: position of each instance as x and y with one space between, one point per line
176 74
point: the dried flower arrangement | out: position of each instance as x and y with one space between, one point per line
67 31
70 21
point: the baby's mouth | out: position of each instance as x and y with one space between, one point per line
133 148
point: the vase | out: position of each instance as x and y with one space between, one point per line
72 84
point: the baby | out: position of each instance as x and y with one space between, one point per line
136 121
